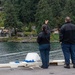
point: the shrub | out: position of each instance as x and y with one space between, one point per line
30 33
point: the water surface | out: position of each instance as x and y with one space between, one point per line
10 51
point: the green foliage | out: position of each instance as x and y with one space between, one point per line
10 16
25 28
54 37
19 25
30 33
43 12
29 27
27 11
56 9
21 13
2 18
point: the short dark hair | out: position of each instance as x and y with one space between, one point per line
44 28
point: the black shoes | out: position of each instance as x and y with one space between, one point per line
73 65
44 67
67 66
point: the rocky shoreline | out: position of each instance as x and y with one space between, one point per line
19 39
22 39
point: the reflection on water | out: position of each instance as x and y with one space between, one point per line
17 51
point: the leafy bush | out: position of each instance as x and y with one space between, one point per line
54 37
30 33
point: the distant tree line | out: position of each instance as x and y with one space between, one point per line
23 14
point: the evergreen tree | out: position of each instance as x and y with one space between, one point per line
43 12
69 9
27 11
56 6
10 16
72 10
2 18
56 9
62 4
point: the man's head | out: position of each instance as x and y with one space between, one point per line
46 21
67 19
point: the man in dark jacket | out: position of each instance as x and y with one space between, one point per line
67 39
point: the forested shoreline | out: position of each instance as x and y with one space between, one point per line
23 14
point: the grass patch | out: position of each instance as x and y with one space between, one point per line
54 37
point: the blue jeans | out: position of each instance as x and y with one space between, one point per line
68 51
44 52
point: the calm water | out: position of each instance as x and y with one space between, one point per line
17 51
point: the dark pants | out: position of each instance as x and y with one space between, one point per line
44 52
68 51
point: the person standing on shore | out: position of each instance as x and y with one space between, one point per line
43 40
67 39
